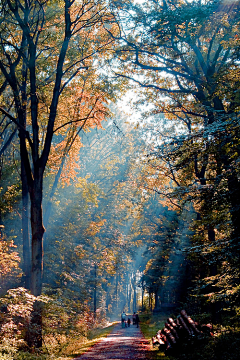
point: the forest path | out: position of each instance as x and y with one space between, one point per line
121 344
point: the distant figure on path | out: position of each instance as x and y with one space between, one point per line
134 318
137 319
129 321
123 317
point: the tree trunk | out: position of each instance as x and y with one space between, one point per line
127 293
134 297
116 292
156 301
129 296
35 338
95 291
25 229
25 189
234 195
37 237
150 301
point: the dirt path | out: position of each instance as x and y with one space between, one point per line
121 344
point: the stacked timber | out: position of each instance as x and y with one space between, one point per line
180 331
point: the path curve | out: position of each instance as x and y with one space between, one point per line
121 344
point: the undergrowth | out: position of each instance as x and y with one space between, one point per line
72 348
224 345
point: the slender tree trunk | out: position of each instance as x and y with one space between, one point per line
134 295
127 293
142 297
116 292
107 298
95 291
234 195
129 296
156 300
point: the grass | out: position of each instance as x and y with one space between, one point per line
150 324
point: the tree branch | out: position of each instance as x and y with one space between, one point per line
169 91
8 142
18 125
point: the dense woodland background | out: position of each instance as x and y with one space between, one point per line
119 165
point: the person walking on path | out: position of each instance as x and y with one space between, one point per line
123 317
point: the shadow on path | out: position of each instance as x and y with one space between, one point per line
122 344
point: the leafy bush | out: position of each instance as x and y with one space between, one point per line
15 319
9 263
16 308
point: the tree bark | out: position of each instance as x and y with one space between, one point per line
37 236
35 336
25 229
25 190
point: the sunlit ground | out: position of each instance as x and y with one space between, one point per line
76 347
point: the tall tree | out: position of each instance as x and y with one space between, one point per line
44 46
184 54
39 36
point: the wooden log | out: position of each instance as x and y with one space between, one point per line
169 336
154 341
163 341
185 327
179 330
160 339
190 322
178 322
172 322
173 331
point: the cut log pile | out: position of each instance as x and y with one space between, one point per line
179 331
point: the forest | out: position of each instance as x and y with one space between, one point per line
119 169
